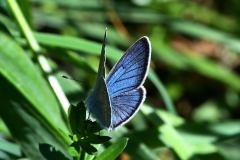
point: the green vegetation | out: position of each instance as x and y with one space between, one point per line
193 87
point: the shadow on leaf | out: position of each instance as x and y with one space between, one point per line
50 152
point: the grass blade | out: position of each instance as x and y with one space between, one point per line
114 150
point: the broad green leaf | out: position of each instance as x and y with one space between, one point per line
50 152
140 151
138 122
4 155
17 68
73 90
29 101
226 128
168 134
6 24
10 148
113 151
159 116
77 117
72 3
26 9
80 44
209 112
184 143
25 126
173 139
3 129
95 30
138 137
96 139
229 148
200 143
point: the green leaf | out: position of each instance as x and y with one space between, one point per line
3 129
26 9
200 143
72 3
113 151
26 127
172 138
73 152
50 152
17 68
29 102
144 153
209 112
80 44
73 90
93 127
158 116
77 117
90 149
10 147
229 148
97 139
143 148
7 25
226 128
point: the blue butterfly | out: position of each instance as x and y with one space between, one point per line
117 97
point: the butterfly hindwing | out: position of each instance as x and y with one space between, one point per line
125 105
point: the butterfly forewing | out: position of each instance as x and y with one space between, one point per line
125 80
130 71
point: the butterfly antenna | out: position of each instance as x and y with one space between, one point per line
66 77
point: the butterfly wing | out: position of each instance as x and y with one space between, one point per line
98 101
125 105
125 80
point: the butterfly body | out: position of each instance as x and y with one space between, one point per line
116 98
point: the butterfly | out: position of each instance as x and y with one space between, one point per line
117 97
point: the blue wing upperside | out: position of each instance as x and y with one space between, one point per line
125 105
130 71
125 80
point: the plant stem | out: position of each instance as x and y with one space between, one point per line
32 42
82 154
166 99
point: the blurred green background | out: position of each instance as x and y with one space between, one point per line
192 106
